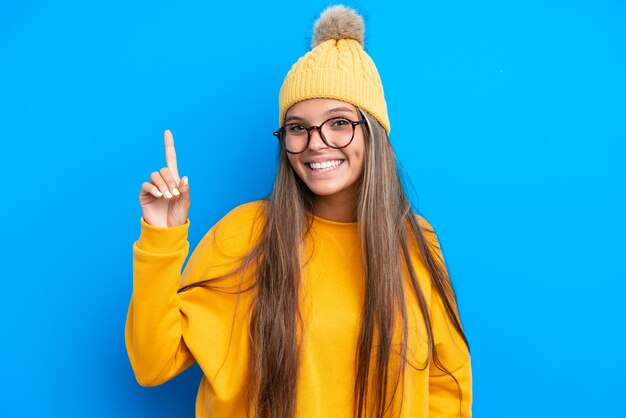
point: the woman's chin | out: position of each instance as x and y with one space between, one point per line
332 190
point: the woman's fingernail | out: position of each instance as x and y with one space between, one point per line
168 194
158 193
176 192
185 181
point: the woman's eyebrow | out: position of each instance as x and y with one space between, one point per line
326 113
298 118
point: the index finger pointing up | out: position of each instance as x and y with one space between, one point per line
170 155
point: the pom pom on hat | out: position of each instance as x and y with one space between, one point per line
338 22
337 67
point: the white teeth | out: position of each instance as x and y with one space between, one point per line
325 164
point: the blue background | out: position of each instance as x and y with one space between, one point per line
508 117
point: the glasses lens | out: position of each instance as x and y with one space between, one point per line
337 132
295 137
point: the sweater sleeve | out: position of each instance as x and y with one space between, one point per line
449 396
159 318
153 335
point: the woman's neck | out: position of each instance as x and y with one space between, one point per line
335 208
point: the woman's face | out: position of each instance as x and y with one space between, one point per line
339 176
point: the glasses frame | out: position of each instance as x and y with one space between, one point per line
280 132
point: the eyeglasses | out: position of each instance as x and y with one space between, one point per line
335 132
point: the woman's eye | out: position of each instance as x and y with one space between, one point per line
295 128
341 122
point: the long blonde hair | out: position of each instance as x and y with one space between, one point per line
386 222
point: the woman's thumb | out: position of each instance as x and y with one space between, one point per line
183 187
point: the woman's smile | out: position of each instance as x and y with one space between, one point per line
324 166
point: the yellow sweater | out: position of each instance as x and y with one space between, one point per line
166 332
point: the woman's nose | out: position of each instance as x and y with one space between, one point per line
316 142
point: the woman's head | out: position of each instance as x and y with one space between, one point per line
336 78
356 173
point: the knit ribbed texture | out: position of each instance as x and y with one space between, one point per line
336 69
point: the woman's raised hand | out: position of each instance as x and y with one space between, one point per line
164 199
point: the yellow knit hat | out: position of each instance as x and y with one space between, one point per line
336 68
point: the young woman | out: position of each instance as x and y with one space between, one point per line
329 298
